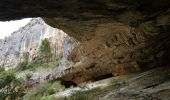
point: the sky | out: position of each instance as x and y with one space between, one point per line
6 28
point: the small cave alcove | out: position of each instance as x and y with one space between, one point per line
68 84
105 76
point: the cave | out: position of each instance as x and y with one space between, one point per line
106 38
67 84
137 31
102 77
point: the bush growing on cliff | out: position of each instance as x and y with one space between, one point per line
45 49
44 54
11 88
45 91
23 65
2 69
44 58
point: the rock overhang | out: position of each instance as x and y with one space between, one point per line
124 33
70 14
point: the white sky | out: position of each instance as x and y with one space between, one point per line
6 28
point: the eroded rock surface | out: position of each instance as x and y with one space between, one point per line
119 49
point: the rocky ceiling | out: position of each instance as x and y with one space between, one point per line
116 36
82 16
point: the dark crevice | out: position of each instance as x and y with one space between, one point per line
103 77
68 84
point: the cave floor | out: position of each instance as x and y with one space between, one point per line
150 85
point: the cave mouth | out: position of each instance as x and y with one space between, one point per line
105 76
67 84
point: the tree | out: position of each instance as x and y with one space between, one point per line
45 49
10 86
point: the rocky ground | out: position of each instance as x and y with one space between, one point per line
150 85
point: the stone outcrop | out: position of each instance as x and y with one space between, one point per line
114 36
28 39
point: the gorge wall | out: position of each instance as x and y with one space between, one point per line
28 39
114 36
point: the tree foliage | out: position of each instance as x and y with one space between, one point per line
6 78
45 49
2 69
10 87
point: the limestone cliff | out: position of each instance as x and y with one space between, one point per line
69 44
28 39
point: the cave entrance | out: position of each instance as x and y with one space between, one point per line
102 77
68 84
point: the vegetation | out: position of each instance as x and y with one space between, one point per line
49 97
45 49
84 95
45 91
11 87
28 77
43 59
38 62
92 94
2 69
23 65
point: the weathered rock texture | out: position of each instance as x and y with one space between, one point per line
28 39
132 40
69 44
153 84
115 36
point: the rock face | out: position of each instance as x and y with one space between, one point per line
134 39
115 36
28 39
69 44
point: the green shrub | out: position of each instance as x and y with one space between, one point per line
45 49
79 96
28 76
57 86
2 69
45 91
23 65
11 87
6 78
49 97
58 58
